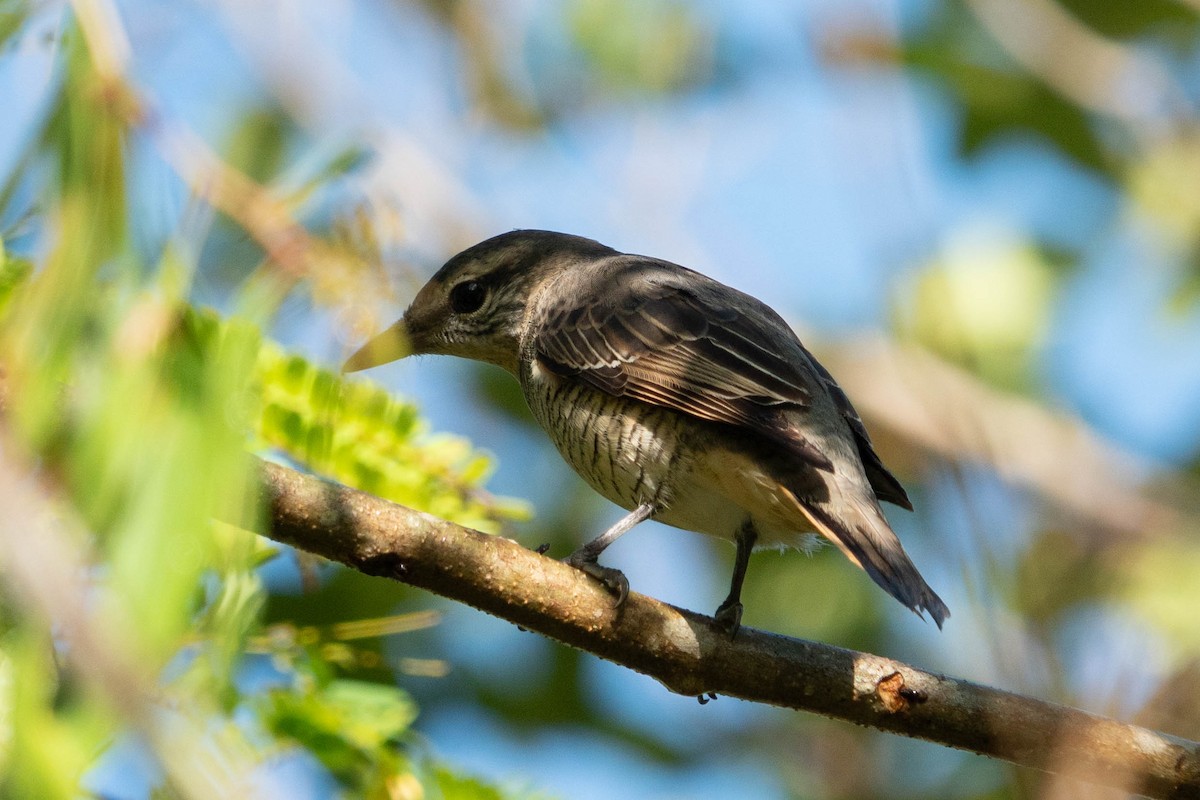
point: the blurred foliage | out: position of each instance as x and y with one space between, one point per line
359 434
354 728
1162 21
1161 187
656 46
985 304
1162 587
616 49
259 145
138 413
486 66
998 99
13 272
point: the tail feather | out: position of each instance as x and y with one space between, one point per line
861 532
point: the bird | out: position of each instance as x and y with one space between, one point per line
676 397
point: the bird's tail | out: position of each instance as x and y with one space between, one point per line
857 526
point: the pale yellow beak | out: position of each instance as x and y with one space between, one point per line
391 345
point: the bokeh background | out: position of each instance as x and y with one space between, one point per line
982 215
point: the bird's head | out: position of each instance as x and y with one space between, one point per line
474 306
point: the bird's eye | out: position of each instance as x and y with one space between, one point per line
468 296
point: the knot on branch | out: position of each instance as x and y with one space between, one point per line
384 565
895 696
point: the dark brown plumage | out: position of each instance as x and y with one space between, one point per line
673 395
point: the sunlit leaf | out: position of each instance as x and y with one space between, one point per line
655 46
353 728
984 303
1161 585
453 786
358 433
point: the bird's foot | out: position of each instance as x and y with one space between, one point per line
729 617
613 579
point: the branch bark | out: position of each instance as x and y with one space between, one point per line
689 655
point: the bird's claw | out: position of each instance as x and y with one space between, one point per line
729 618
613 579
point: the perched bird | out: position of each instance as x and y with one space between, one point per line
676 397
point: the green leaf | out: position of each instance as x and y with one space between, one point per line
356 432
1162 587
1161 20
997 98
12 18
453 786
13 273
372 714
649 45
985 303
50 734
258 146
351 430
353 728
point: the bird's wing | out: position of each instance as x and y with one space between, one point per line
658 340
882 480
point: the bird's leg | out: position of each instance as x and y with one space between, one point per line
584 559
729 615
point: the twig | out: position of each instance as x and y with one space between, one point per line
266 218
928 402
1087 69
688 654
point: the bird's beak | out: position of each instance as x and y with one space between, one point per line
391 345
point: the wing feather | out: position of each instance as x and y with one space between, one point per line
882 480
669 337
669 345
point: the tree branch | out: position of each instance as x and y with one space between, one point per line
689 655
942 409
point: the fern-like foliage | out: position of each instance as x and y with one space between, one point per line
358 433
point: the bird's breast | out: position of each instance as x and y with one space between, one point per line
631 453
628 451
